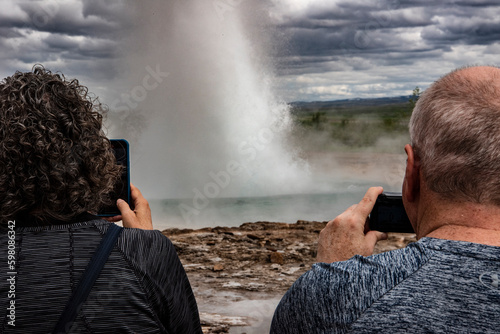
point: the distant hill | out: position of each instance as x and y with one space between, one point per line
353 125
349 103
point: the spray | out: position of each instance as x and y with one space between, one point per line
213 127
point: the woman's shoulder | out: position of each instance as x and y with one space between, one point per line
147 248
145 241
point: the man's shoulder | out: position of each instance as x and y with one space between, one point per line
397 264
333 295
426 275
455 290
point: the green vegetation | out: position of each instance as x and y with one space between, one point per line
379 125
414 98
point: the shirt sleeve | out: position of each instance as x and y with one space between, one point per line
311 305
329 298
165 281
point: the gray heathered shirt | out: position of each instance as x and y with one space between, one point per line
431 286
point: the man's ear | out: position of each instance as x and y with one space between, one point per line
411 182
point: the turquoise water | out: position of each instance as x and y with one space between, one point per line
211 212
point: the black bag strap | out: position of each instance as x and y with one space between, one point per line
88 279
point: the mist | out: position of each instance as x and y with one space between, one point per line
199 111
208 134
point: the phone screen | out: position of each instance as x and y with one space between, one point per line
389 214
122 187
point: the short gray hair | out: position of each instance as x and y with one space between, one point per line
455 132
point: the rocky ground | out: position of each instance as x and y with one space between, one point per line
238 274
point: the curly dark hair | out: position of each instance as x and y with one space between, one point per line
55 160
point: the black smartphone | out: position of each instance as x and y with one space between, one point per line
389 215
122 187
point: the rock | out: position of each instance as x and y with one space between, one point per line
231 285
218 267
254 236
212 323
277 257
213 319
291 271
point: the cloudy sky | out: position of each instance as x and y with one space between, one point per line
327 49
380 48
196 82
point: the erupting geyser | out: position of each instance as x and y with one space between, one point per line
213 127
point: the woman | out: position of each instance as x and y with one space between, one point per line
56 170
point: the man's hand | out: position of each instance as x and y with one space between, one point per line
140 217
348 234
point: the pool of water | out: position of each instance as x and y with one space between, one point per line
201 211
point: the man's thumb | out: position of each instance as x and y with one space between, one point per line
375 236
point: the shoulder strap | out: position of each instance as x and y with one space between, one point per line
88 279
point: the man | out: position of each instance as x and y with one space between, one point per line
448 281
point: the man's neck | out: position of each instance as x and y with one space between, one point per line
464 221
465 233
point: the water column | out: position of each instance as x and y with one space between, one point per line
213 127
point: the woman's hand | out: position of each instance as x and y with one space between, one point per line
140 217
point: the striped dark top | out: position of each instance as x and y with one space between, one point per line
142 288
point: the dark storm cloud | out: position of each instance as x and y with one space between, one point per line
358 45
371 30
115 11
316 45
9 33
80 48
79 38
75 18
